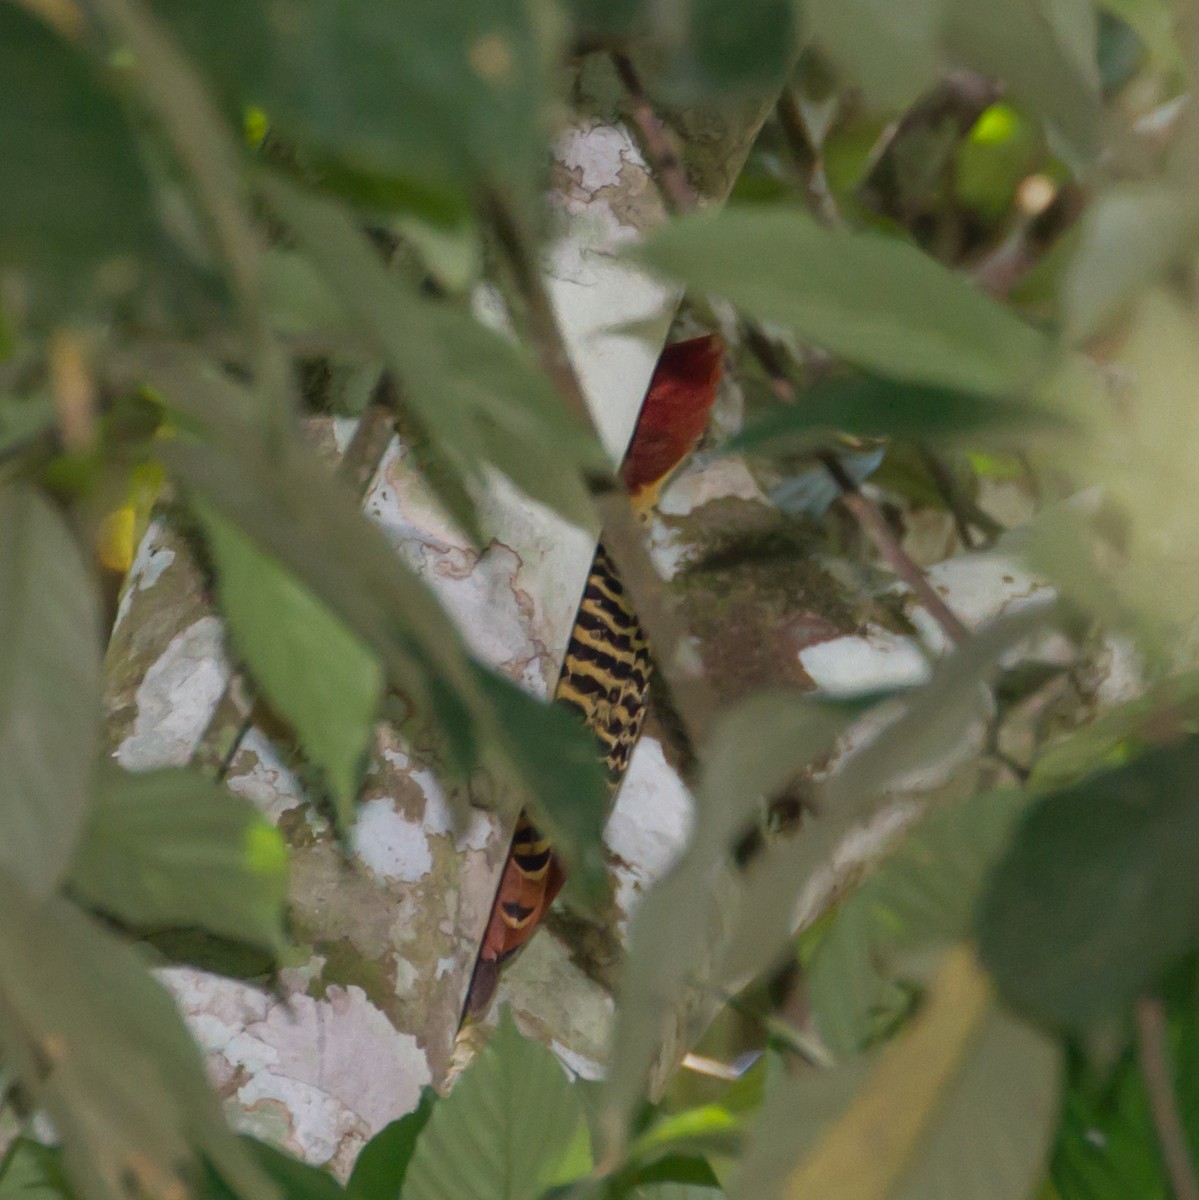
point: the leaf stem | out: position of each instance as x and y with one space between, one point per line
1163 1104
680 198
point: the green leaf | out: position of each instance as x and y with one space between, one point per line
171 848
505 1129
1098 893
922 896
1129 236
296 1180
556 764
443 99
383 1162
869 407
72 192
479 398
876 302
959 1107
737 47
892 51
49 689
1045 52
315 672
102 1050
31 1171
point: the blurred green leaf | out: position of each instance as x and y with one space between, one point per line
505 1130
479 398
876 302
1098 893
1045 52
990 164
23 418
171 848
382 1163
72 191
1155 23
871 407
891 50
49 688
440 100
958 1107
735 47
314 671
101 1049
1129 236
31 1171
922 896
296 1180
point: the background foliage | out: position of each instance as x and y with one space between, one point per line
967 232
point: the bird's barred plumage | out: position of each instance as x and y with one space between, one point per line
606 671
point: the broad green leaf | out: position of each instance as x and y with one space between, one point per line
478 397
171 848
756 749
439 98
556 762
314 671
1155 22
1045 52
505 1129
31 1171
891 51
1128 237
922 896
102 1050
751 45
877 302
959 1107
49 688
871 407
1098 893
383 1162
72 191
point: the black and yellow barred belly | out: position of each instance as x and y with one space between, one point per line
605 675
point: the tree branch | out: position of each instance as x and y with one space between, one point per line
1163 1104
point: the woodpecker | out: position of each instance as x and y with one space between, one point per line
605 674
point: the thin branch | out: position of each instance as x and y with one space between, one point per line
690 693
1163 1104
807 160
674 184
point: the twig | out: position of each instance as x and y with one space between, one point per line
674 184
966 514
1163 1104
690 693
807 160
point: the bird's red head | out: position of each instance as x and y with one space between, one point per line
674 415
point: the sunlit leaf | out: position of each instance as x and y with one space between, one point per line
170 848
49 688
958 1107
505 1129
875 301
101 1048
1098 893
315 672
